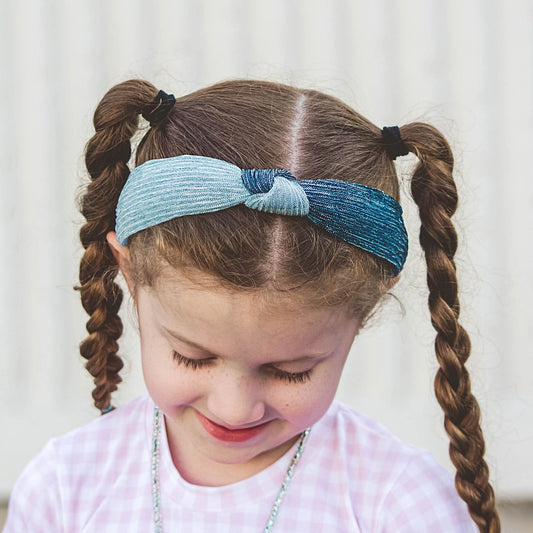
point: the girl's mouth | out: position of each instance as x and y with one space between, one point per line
229 435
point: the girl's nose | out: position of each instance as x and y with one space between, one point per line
236 402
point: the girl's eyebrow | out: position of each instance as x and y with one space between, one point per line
192 344
189 342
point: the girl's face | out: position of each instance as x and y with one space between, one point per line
238 375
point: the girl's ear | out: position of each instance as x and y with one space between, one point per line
122 257
393 281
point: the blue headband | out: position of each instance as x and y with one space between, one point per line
162 189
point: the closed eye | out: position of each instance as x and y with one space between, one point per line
289 377
292 377
195 364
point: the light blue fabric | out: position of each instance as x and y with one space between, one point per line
163 189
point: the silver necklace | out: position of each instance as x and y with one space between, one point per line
156 492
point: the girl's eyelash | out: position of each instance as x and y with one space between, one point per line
195 364
289 377
292 377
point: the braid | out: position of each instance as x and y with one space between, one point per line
107 155
435 193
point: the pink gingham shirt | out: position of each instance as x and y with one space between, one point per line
353 477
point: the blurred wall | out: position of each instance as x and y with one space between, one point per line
464 66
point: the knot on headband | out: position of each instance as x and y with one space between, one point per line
162 189
393 142
275 191
159 108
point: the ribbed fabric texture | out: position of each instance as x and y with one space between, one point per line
162 189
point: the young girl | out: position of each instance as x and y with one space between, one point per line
256 234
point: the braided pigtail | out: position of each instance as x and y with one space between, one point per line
107 154
435 193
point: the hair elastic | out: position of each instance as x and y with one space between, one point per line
393 142
163 189
159 108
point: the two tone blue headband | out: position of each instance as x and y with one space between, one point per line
162 189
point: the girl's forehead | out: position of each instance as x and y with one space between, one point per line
205 306
175 288
227 323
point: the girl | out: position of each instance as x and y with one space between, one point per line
257 233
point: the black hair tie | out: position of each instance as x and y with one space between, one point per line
393 142
159 108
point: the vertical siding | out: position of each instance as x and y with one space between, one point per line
466 66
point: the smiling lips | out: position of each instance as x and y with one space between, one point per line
229 435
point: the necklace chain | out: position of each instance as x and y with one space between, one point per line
156 489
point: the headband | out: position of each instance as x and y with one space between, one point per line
162 189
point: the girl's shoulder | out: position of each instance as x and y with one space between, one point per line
86 461
371 452
359 433
107 437
392 485
111 439
121 424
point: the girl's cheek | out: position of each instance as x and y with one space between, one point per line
306 402
165 378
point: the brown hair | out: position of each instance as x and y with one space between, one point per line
256 124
